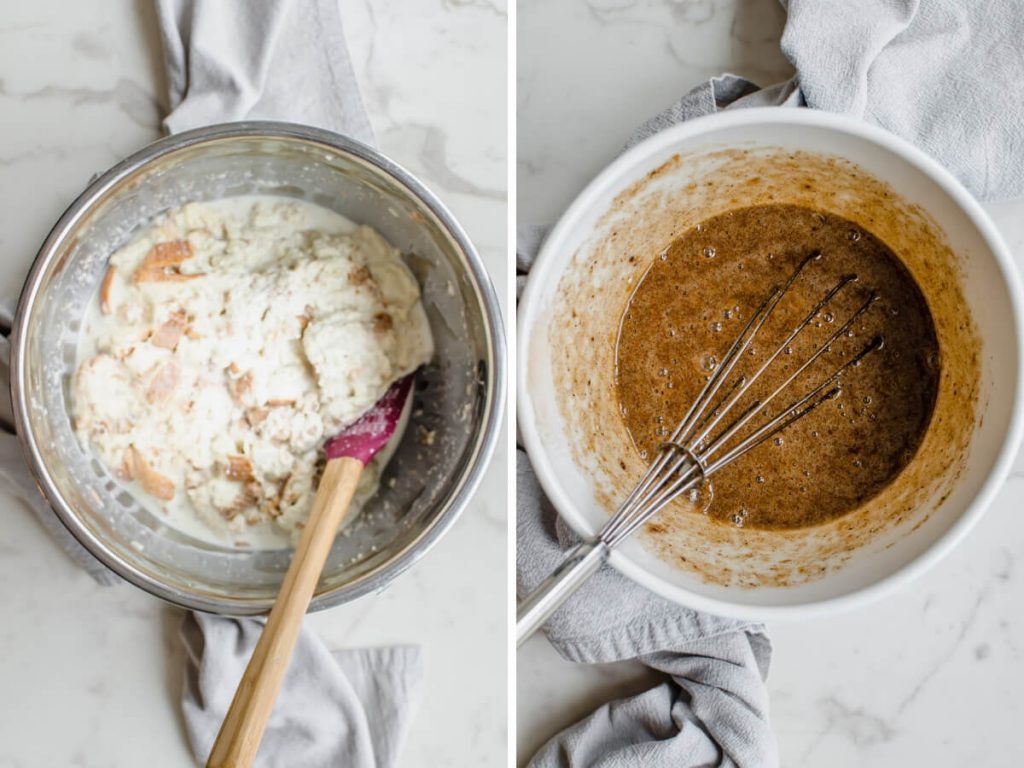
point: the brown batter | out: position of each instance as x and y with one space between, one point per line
697 297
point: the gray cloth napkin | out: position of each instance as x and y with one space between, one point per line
713 710
285 60
944 75
263 59
346 708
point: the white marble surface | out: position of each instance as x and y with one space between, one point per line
89 676
929 676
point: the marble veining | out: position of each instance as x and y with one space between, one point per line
927 676
91 676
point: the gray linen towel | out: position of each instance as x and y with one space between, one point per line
346 708
714 708
944 75
244 60
285 60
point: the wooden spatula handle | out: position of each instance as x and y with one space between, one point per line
240 734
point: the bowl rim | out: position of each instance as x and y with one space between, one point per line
481 449
627 164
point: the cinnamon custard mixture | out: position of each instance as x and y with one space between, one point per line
695 300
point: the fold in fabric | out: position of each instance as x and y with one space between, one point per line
260 60
943 74
350 708
713 710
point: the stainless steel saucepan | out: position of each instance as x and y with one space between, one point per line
461 392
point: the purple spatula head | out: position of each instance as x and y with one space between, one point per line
370 432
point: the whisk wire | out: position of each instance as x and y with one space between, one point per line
700 446
685 461
710 389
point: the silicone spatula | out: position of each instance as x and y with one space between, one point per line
347 454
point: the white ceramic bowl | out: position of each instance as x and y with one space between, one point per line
990 288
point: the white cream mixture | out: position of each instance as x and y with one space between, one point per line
227 342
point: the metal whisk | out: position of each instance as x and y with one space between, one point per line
705 442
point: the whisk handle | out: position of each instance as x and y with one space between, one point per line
576 568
